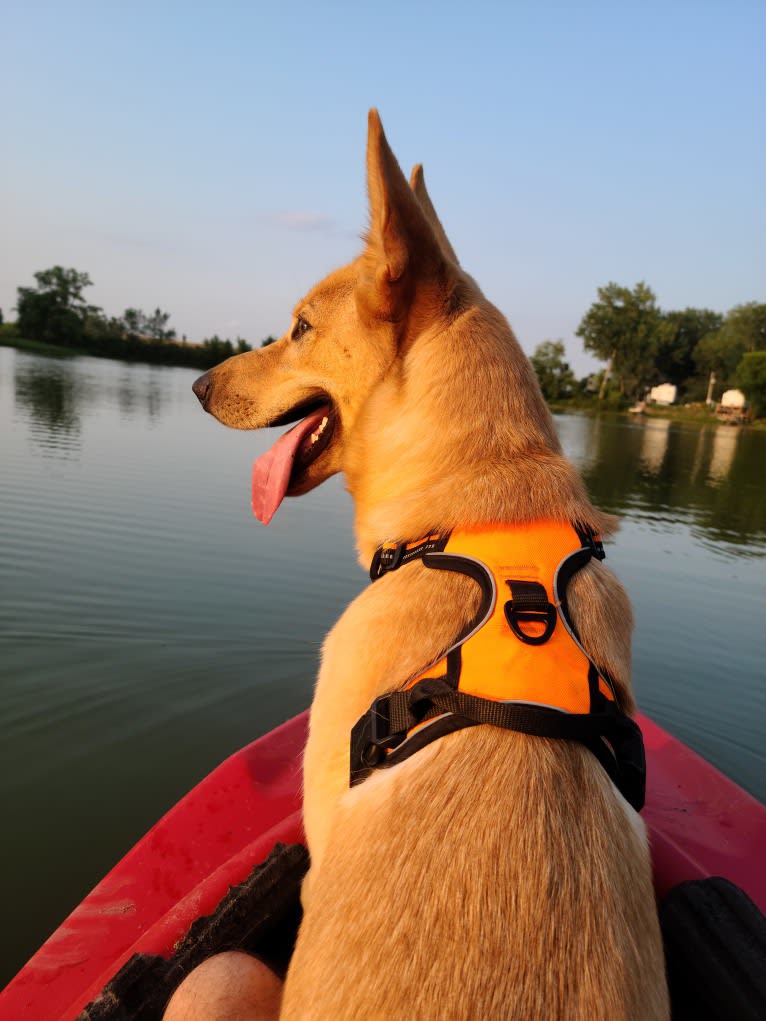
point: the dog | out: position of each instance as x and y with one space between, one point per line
493 872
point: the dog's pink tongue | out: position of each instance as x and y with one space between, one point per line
271 472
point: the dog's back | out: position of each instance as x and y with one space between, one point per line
487 877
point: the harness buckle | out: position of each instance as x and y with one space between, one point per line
372 737
591 541
386 558
392 554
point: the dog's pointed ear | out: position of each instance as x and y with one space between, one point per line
418 185
402 247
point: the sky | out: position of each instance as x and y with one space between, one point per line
208 158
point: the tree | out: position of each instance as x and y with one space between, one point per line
746 325
554 375
55 311
720 353
155 326
66 284
216 349
132 320
678 335
742 331
139 324
622 328
751 376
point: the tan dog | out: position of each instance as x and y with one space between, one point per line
491 874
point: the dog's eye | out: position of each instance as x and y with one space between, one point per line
301 326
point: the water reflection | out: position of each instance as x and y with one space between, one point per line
47 391
725 441
711 478
126 396
655 445
58 396
153 399
139 391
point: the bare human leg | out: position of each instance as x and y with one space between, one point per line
228 987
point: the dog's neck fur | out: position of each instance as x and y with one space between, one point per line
400 470
409 462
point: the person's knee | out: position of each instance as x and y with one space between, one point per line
228 987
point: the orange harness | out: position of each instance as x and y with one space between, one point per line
518 665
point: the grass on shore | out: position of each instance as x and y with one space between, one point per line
39 348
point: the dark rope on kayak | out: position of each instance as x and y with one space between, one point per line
260 916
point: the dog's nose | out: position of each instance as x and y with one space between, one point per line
201 387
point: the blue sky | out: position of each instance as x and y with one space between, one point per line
209 158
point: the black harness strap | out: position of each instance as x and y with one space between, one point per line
612 736
393 555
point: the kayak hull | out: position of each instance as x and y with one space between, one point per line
700 823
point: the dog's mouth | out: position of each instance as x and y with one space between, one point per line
284 466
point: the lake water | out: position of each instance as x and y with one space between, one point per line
149 626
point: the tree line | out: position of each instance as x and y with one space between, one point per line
641 344
698 350
56 312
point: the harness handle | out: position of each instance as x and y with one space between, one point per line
529 604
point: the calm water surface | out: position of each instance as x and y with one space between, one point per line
149 626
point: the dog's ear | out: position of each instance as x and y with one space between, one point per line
418 185
402 247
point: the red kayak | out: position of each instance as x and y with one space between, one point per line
701 824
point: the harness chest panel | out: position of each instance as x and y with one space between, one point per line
519 664
525 664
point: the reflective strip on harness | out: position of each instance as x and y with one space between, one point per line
518 665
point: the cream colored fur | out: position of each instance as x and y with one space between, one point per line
491 875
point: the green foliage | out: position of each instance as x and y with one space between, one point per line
720 353
56 313
622 327
644 345
742 331
746 325
132 321
138 324
679 334
614 400
217 349
554 375
268 340
751 376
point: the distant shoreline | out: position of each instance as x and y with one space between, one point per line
62 351
37 347
692 415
